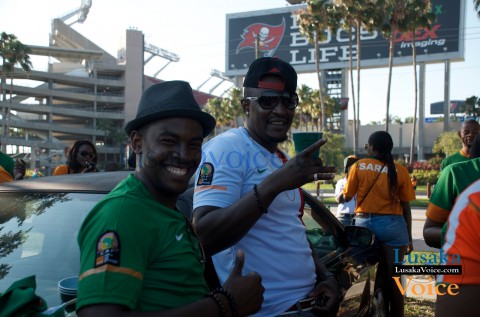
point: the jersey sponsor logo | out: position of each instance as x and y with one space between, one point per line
372 167
205 176
261 171
108 249
179 237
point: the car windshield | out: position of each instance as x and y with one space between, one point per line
38 236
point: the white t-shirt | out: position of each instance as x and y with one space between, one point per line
276 246
347 207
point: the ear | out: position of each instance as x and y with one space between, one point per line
459 134
246 105
136 138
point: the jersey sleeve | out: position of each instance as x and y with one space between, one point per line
220 176
114 256
443 197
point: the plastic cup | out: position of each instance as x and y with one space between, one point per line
303 140
68 291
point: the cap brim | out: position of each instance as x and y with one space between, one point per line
207 121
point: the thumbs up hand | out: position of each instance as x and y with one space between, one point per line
247 290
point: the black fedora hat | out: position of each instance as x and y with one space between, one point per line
170 99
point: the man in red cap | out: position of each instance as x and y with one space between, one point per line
248 197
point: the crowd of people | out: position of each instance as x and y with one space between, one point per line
140 255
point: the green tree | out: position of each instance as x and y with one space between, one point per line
234 104
12 53
305 94
333 152
112 133
447 143
214 107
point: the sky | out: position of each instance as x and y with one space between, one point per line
195 30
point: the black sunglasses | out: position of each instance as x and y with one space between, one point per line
269 100
85 154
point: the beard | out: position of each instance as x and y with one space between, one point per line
277 139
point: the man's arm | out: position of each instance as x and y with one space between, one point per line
220 228
432 233
327 286
246 292
407 215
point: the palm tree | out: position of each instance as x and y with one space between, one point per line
356 14
394 11
417 16
305 96
476 4
312 23
12 53
214 107
233 105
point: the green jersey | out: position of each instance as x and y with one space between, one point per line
137 253
454 158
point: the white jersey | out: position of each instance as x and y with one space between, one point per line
347 207
276 246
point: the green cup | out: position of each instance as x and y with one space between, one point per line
303 140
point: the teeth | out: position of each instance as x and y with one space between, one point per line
177 171
277 123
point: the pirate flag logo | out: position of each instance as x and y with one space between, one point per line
269 37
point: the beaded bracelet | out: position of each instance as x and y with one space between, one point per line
223 311
259 203
231 300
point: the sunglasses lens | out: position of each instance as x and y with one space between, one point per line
85 154
270 102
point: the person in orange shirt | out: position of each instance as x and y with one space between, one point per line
384 190
81 158
462 242
414 182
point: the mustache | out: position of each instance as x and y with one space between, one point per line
152 160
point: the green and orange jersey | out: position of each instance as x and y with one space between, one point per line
363 175
452 181
5 176
458 157
462 238
6 168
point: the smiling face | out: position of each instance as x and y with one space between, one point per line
468 132
267 126
170 150
85 155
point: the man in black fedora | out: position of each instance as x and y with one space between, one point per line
138 252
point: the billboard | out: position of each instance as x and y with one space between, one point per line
279 35
456 106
